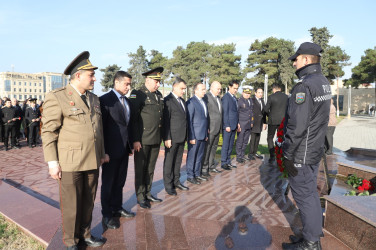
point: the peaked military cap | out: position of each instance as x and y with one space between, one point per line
81 62
155 74
32 99
307 48
247 91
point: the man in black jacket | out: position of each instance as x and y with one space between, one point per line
259 123
9 119
305 128
275 109
245 110
116 115
174 136
32 116
18 122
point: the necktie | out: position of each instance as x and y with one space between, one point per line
125 105
179 100
203 105
219 104
83 97
259 100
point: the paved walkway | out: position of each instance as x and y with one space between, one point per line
356 132
241 209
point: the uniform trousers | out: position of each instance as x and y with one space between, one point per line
172 164
210 151
77 195
144 164
114 175
228 143
33 130
255 140
242 142
304 191
10 129
271 133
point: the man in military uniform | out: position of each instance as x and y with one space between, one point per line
32 116
18 122
147 113
245 110
305 128
9 119
72 136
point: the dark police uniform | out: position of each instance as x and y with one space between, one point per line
147 113
9 125
305 128
30 114
245 110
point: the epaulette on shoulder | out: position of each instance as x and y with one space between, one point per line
58 90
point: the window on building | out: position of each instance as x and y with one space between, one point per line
25 84
14 83
19 83
25 90
25 97
40 90
35 84
19 97
40 97
7 85
29 83
19 90
35 96
30 96
15 96
14 90
40 84
31 90
35 90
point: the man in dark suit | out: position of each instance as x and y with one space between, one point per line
174 136
197 133
230 124
259 123
275 109
246 122
117 144
32 116
213 103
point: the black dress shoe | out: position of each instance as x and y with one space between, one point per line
201 178
226 167
232 166
303 245
6 149
124 213
182 187
295 239
171 192
144 204
94 241
15 147
110 223
214 170
153 199
251 158
240 160
205 174
72 247
259 156
193 181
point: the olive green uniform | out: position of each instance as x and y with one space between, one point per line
147 114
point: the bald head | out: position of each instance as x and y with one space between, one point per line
215 88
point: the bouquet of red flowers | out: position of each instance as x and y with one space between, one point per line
366 185
278 150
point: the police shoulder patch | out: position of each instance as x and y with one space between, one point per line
300 98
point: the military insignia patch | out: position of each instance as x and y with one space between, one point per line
132 96
300 98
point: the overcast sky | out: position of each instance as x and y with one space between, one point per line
44 36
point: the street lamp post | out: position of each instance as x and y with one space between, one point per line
349 103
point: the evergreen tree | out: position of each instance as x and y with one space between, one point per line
108 76
321 36
365 71
138 65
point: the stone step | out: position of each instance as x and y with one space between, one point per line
352 220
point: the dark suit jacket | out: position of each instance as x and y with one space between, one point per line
197 121
276 107
215 116
116 131
174 120
31 114
245 113
230 112
258 115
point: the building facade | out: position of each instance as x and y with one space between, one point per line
24 85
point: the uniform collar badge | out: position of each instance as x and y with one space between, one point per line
71 103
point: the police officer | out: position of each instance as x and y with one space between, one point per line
147 113
245 110
305 128
32 116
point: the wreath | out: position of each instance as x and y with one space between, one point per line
278 149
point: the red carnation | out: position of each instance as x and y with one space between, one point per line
279 161
361 188
280 139
280 133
